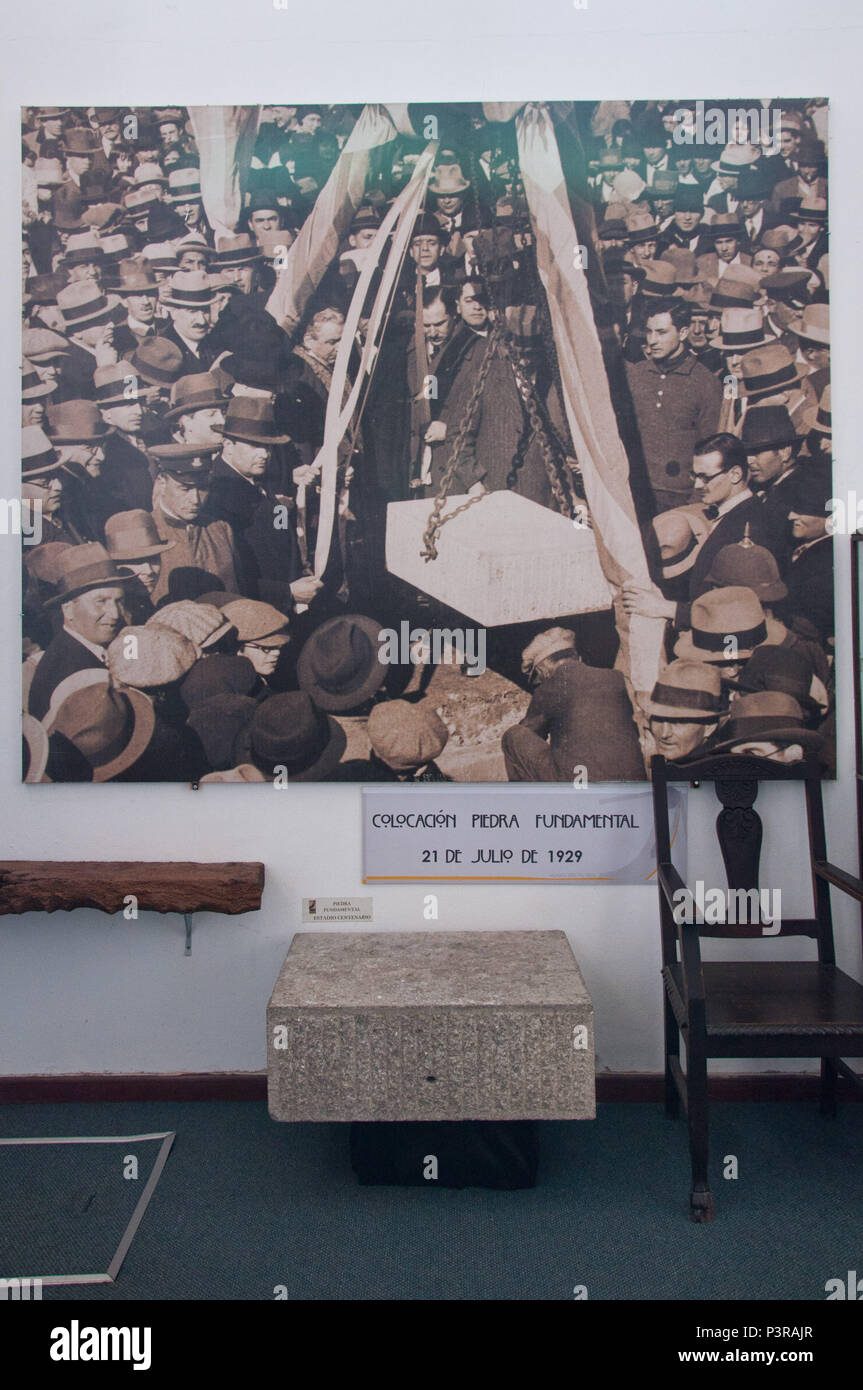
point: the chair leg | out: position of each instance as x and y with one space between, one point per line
829 1072
700 1197
672 1049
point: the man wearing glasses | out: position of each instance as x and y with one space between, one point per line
720 483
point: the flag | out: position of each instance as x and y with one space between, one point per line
225 136
586 395
398 224
327 224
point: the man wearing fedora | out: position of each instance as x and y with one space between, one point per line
340 281
726 233
290 736
806 182
138 290
340 664
183 196
427 262
90 596
197 408
768 725
771 444
810 571
243 326
447 186
203 548
685 228
684 710
79 434
262 519
136 548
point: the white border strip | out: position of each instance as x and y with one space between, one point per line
167 1137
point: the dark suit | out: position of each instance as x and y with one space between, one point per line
585 714
728 530
127 474
810 586
268 556
775 505
64 656
191 363
244 327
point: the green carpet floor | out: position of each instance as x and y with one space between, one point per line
245 1205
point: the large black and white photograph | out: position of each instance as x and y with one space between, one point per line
469 442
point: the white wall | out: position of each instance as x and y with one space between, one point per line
83 992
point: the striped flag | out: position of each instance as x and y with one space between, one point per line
398 225
225 136
586 395
327 224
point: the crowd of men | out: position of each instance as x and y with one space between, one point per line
174 628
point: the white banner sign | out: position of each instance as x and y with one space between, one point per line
520 833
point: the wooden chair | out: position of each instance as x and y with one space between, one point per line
748 1008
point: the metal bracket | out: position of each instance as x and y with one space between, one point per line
187 918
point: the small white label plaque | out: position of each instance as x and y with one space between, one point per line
338 910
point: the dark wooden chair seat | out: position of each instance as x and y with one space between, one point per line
797 999
748 1008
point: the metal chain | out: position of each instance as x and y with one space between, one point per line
436 520
562 485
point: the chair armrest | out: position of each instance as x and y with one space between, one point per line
831 873
670 883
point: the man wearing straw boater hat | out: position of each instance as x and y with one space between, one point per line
741 331
89 316
189 300
726 626
122 396
811 328
184 196
810 243
90 595
769 376
42 479
262 519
